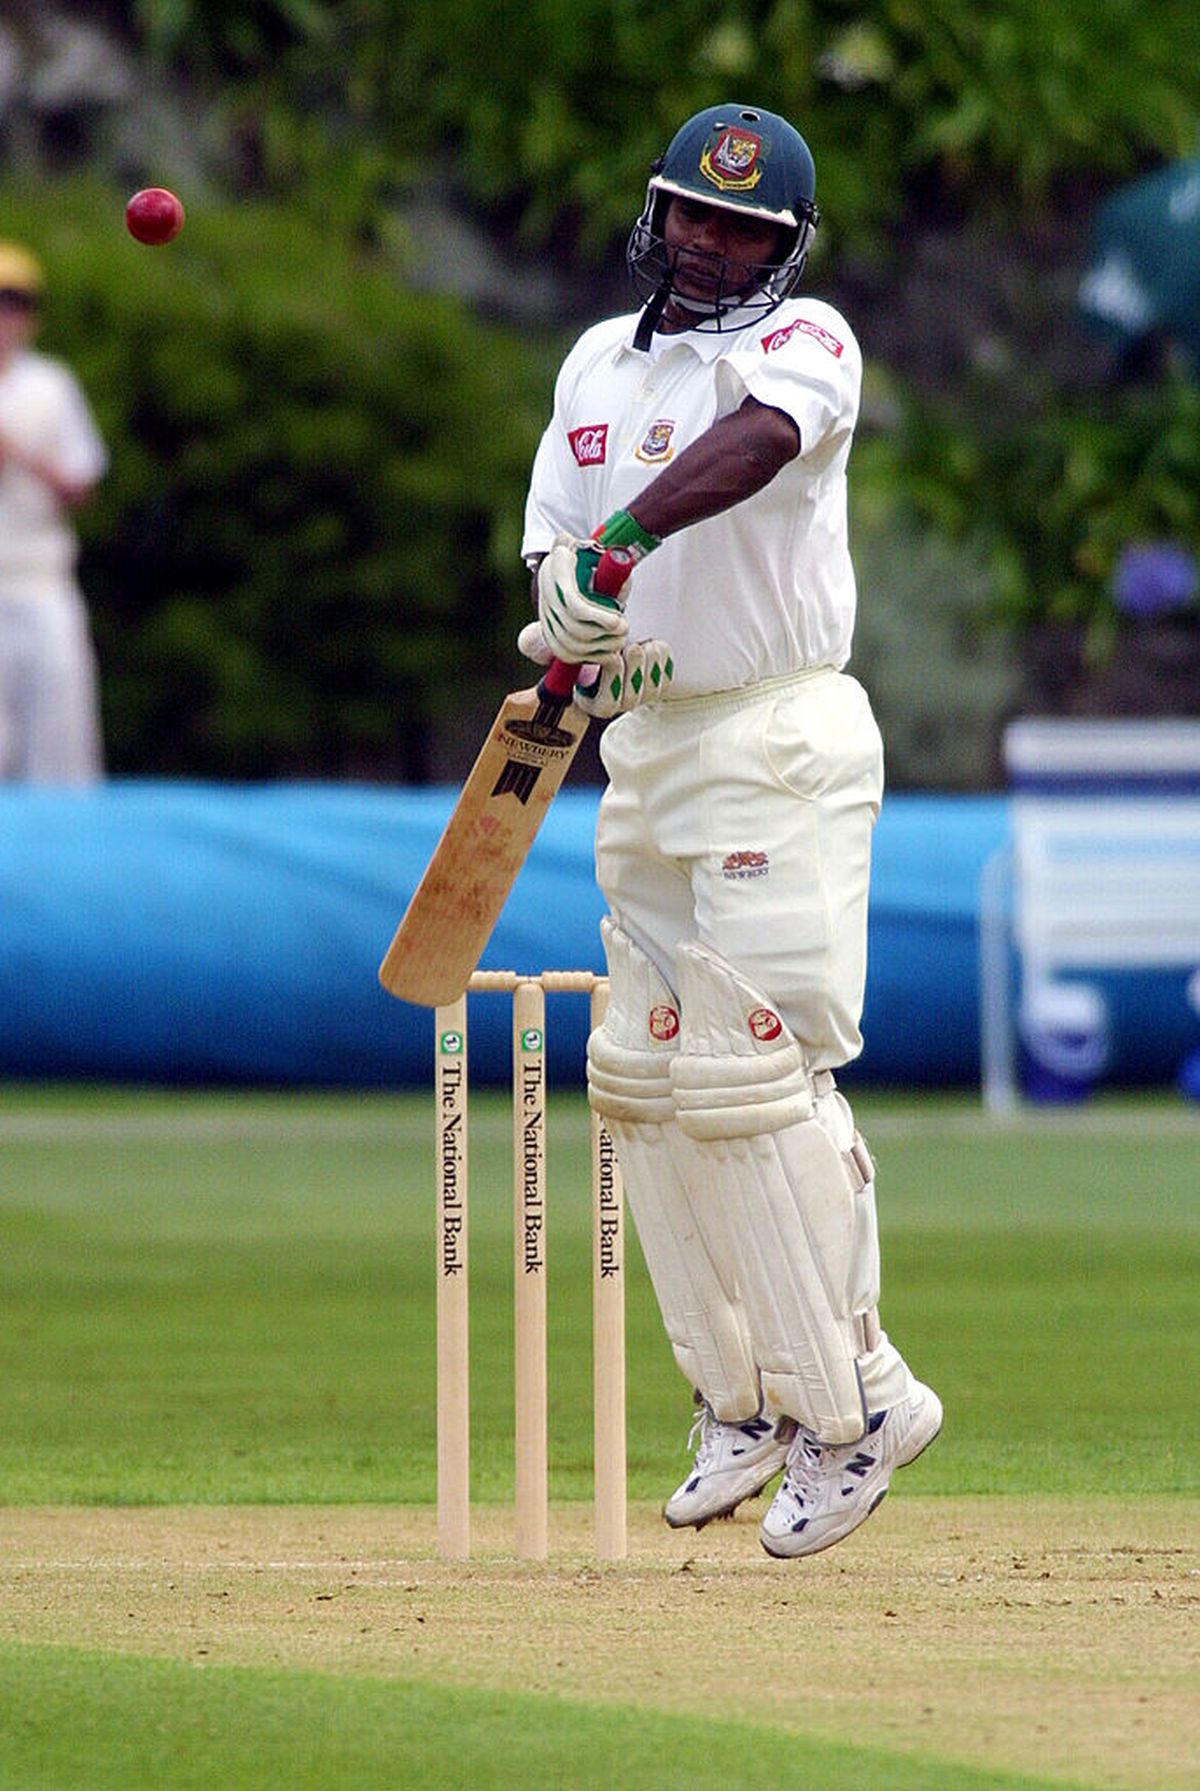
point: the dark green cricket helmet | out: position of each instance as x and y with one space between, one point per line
741 159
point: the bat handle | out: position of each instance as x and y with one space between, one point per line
559 679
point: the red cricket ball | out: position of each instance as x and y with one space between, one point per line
154 215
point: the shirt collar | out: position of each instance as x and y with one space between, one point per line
706 345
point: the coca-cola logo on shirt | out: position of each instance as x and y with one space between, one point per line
803 326
589 444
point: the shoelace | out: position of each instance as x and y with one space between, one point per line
805 1470
704 1427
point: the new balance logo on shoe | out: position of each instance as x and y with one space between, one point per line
756 1430
829 1489
733 1462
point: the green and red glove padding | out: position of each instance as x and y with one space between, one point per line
580 606
604 563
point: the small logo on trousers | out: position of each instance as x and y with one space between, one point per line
738 866
664 1023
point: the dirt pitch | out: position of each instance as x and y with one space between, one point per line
1052 1637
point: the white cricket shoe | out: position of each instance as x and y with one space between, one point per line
733 1462
829 1489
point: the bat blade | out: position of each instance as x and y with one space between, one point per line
503 803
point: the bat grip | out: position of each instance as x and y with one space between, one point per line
559 680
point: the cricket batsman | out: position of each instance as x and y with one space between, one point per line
686 528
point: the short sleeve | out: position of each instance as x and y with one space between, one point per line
809 366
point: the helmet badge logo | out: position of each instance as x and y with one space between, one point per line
733 162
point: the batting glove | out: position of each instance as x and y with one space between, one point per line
579 584
640 673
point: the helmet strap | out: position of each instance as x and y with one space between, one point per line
649 320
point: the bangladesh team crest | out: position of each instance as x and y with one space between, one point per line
658 441
732 159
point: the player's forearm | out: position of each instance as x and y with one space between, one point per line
727 464
69 492
732 460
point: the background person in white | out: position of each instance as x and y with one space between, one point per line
716 603
51 457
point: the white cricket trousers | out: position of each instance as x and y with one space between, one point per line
49 704
744 820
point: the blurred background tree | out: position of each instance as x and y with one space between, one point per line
322 400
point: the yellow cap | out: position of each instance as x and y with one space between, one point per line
19 270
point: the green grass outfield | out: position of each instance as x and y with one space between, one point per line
221 1300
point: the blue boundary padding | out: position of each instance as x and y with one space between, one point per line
230 934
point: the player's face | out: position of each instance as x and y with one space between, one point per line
714 251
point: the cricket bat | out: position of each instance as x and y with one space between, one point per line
495 821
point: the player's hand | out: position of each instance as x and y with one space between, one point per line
640 673
579 603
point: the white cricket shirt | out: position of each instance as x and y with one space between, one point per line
44 411
766 588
